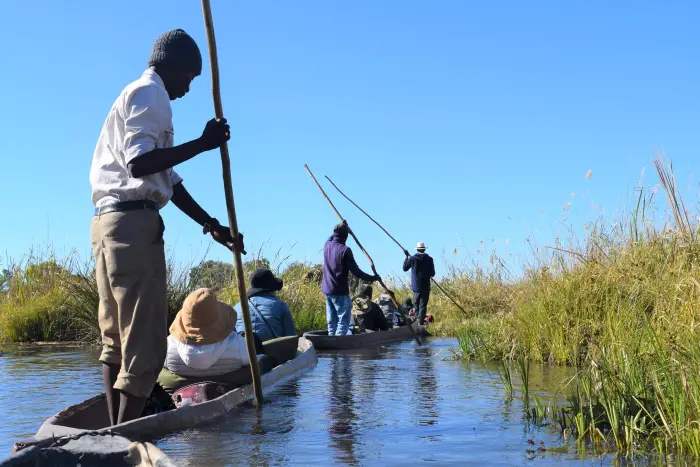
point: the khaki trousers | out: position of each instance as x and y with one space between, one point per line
131 280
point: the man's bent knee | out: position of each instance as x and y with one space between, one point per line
137 386
111 355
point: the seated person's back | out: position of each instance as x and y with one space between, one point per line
203 339
367 314
269 314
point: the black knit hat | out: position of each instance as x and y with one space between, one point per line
341 230
176 50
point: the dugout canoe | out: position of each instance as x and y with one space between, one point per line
322 341
91 415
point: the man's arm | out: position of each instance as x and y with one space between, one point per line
350 263
432 268
159 159
185 203
407 263
162 159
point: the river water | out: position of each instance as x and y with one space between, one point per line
397 405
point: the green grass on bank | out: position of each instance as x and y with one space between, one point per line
45 298
625 314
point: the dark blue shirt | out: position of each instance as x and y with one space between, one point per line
422 269
338 261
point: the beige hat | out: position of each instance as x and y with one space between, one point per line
203 319
420 246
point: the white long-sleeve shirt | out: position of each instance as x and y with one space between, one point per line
139 121
207 360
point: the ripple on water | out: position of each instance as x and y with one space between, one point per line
37 382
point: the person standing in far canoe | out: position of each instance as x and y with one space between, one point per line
338 262
132 178
422 269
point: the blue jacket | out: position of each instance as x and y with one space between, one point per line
276 313
422 269
338 261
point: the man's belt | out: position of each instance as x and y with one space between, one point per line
122 206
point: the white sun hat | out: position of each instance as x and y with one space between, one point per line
420 246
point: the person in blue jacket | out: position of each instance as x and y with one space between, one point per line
422 270
269 314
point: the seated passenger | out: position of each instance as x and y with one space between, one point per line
389 309
203 345
367 314
269 314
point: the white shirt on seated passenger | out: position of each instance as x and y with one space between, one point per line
217 359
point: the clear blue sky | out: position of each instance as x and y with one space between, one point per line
452 122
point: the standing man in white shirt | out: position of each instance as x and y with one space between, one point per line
132 177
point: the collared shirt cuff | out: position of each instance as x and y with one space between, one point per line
138 149
174 178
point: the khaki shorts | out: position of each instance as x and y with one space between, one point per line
131 281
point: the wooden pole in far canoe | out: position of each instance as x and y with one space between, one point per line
369 258
395 241
231 208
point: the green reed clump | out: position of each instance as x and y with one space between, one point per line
622 309
303 294
639 399
480 291
34 301
44 298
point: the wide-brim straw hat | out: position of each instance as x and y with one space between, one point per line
203 319
420 246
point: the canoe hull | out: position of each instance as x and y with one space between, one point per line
91 415
322 341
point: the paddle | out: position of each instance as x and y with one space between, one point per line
228 190
395 241
369 258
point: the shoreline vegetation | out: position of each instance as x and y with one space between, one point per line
621 307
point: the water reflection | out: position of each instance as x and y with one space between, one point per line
245 435
424 388
341 409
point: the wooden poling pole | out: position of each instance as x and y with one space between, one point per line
231 208
365 213
395 241
437 284
369 258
